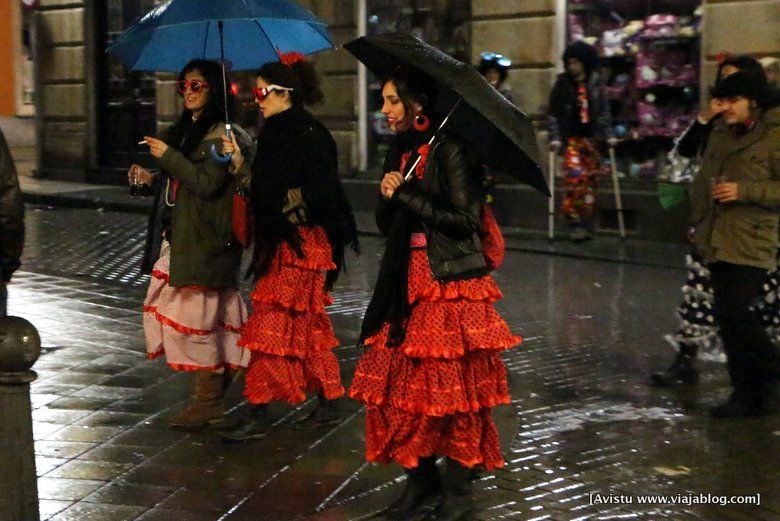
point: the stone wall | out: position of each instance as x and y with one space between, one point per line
338 71
739 27
525 32
61 88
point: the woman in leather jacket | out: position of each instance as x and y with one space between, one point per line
432 372
303 224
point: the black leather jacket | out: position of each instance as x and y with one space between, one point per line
11 214
448 202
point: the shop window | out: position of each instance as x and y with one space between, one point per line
444 24
650 56
127 108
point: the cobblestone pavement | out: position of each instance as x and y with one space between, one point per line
584 437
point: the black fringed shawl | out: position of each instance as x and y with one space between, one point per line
390 301
295 150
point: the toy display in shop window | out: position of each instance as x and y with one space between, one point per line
651 71
579 115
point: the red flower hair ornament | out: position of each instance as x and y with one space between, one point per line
722 56
290 58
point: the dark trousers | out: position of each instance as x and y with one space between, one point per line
753 360
3 299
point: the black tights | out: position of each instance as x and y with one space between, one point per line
753 360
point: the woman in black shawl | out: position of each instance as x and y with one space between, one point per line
303 223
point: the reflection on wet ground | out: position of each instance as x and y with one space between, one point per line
584 438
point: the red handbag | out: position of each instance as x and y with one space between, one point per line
493 245
241 219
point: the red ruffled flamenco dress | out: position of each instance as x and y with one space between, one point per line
288 332
432 394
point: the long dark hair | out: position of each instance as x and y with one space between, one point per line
185 134
413 87
300 76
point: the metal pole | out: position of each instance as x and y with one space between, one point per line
362 98
551 201
433 137
224 74
20 346
618 197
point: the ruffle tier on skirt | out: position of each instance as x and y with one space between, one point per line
433 393
288 333
195 328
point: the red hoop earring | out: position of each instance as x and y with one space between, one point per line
421 123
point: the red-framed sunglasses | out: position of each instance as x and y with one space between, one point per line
262 93
194 85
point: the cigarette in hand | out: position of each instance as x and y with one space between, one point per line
142 142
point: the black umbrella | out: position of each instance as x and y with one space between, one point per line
502 134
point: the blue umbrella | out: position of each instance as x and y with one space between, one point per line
172 34
248 33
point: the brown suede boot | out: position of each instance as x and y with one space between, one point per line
206 407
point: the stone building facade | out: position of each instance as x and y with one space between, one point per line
530 32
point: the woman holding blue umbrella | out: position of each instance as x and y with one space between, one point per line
193 311
303 224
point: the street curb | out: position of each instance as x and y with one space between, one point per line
517 239
74 201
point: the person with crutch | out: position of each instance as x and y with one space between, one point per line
578 117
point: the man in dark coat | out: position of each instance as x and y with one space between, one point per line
11 221
578 115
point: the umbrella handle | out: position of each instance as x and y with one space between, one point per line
216 155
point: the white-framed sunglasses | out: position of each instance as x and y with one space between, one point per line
262 93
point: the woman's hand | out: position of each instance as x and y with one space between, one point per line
390 183
725 192
139 175
230 146
157 147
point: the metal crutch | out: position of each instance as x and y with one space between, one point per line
551 201
616 188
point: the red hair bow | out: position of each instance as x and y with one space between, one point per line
722 56
290 58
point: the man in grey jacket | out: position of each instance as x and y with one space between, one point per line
11 221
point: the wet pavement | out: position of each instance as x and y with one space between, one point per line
585 436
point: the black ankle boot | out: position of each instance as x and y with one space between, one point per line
252 425
770 398
680 372
422 483
457 503
742 402
326 413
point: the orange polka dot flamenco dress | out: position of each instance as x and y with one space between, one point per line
288 333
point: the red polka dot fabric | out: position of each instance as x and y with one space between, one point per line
433 393
288 332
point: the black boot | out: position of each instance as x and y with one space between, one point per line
770 398
681 371
742 402
422 483
457 503
252 425
326 413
